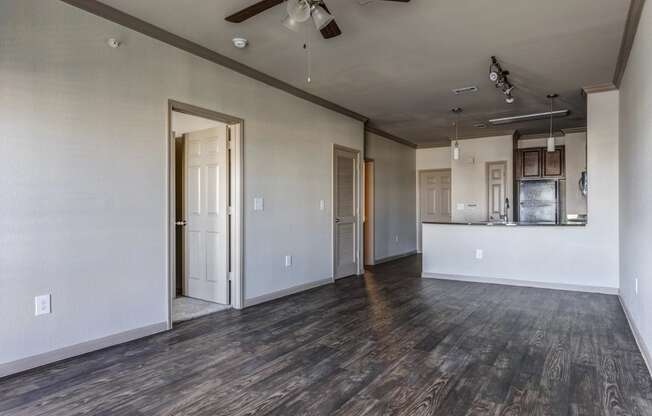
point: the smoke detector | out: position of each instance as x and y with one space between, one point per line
113 43
240 43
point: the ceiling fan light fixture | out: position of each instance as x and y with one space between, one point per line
291 24
321 17
299 10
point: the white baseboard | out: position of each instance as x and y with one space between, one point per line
645 351
49 357
286 292
525 283
396 257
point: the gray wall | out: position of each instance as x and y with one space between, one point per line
83 175
394 196
636 182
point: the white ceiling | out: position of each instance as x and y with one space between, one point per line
396 63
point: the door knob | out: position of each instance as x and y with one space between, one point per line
181 223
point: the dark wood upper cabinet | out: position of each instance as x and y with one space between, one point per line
553 164
537 162
531 163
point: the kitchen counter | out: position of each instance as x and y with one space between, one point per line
512 224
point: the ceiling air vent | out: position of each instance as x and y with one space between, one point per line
465 90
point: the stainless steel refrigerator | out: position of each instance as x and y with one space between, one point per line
539 201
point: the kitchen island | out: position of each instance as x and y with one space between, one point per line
565 256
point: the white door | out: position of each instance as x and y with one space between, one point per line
435 195
345 208
496 190
206 211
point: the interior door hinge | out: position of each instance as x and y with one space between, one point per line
230 210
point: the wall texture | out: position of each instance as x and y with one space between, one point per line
636 183
83 175
427 159
469 175
394 196
558 256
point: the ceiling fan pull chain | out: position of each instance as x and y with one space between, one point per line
306 46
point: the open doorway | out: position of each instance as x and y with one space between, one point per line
205 188
368 212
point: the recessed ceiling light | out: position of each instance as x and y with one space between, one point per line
240 43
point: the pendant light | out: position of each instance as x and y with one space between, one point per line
551 138
456 146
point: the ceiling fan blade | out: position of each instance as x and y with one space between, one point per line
332 29
252 10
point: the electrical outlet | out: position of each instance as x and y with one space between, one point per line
288 261
479 254
636 286
460 207
42 305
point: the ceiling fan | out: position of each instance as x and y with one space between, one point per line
299 11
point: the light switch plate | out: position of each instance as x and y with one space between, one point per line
259 204
460 207
42 305
322 205
288 261
479 254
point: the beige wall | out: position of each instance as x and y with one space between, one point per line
394 193
636 184
469 186
83 157
427 159
582 257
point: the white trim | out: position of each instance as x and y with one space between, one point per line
49 357
642 346
525 283
395 257
286 292
358 197
237 232
236 169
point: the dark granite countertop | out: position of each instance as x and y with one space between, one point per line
512 224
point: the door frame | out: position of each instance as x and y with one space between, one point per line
236 221
420 174
505 181
358 200
369 221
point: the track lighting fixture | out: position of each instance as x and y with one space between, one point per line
499 77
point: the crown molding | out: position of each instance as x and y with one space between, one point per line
572 130
389 136
433 145
131 22
629 35
592 89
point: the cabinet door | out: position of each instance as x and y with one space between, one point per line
531 163
553 164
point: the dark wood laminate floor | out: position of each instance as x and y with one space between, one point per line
388 343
